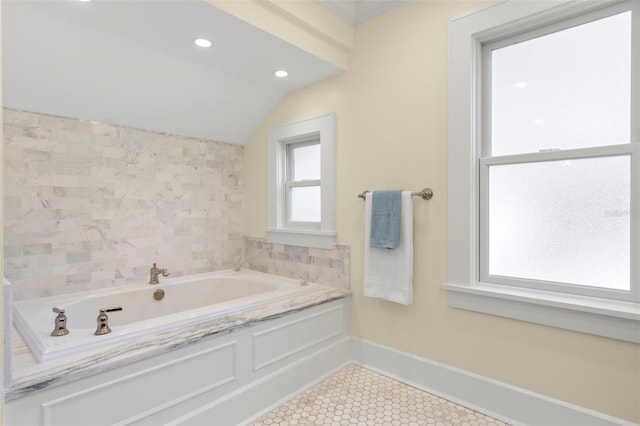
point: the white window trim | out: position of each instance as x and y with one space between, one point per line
598 316
322 236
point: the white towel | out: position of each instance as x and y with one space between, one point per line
388 274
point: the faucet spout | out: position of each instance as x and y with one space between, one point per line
154 272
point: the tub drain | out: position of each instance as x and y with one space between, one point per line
158 294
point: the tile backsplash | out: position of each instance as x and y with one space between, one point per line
91 205
323 266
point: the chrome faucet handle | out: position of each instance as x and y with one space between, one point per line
60 328
103 320
103 323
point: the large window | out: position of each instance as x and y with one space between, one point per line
301 182
556 162
544 164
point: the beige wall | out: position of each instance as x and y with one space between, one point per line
391 109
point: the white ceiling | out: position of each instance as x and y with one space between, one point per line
133 63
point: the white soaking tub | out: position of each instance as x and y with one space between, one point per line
187 300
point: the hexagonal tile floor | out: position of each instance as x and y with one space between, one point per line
357 396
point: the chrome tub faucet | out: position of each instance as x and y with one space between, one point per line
155 272
60 328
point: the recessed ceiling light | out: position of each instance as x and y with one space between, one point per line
281 73
202 42
520 85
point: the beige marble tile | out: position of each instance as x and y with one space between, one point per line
329 267
135 196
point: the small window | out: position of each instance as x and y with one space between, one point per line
301 183
302 186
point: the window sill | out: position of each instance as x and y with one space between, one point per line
601 317
302 237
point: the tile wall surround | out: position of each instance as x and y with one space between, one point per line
91 205
329 267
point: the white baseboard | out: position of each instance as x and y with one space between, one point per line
497 399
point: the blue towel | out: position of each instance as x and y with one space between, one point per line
385 219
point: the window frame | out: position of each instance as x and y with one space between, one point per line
467 289
280 229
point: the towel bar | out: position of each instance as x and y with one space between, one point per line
425 194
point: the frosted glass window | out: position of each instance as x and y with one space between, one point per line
568 89
306 162
562 221
305 204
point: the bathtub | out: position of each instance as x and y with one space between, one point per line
187 300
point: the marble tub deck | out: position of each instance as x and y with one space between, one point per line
29 376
